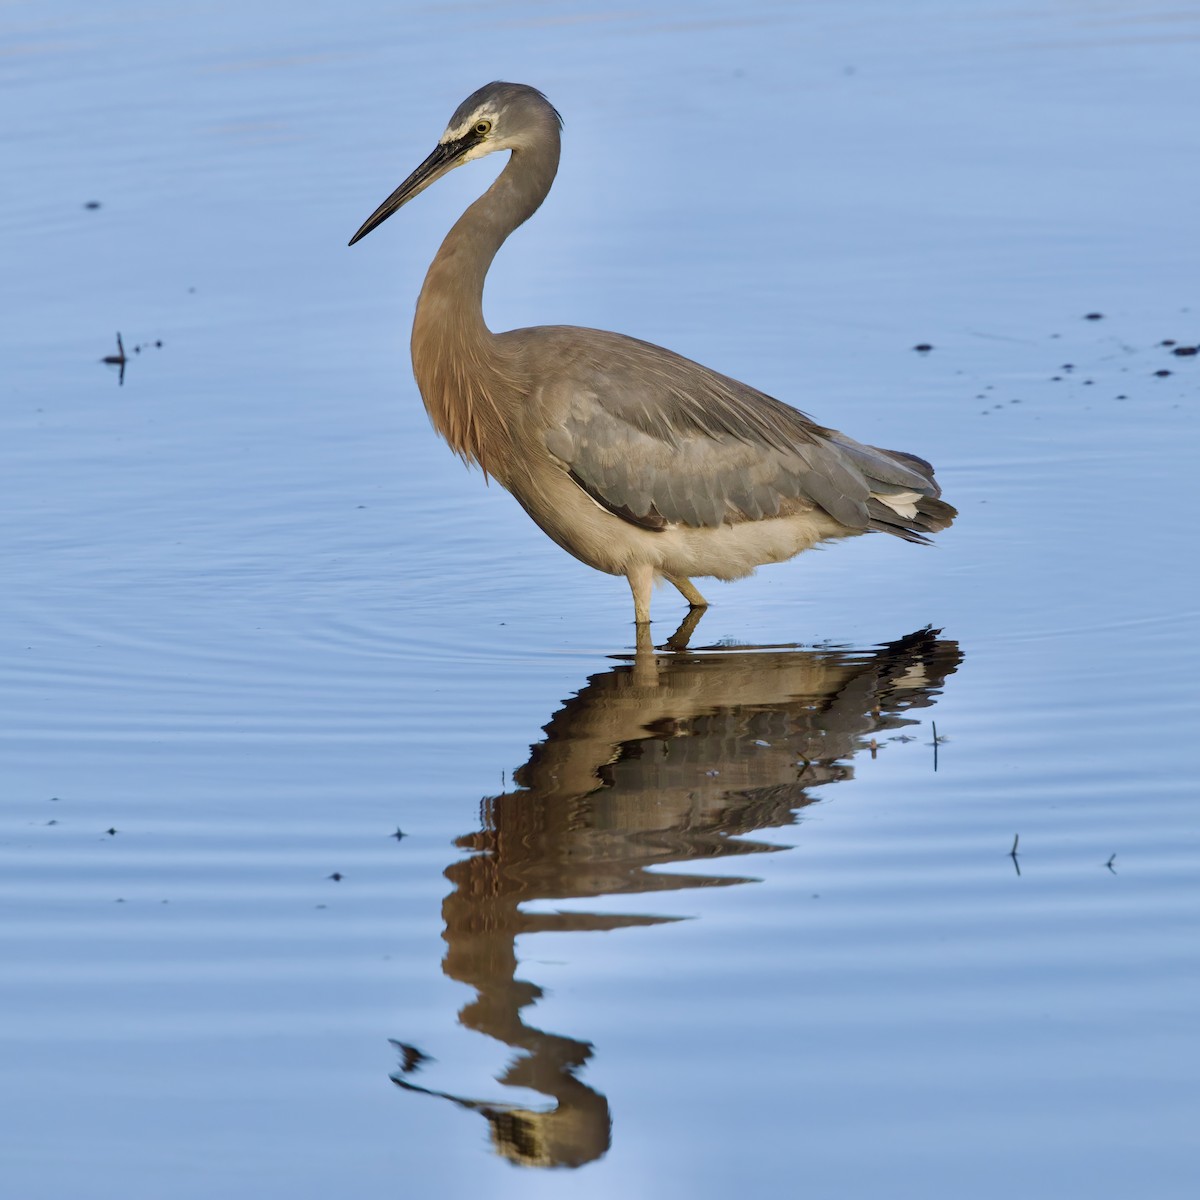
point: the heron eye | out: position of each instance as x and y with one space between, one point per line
483 127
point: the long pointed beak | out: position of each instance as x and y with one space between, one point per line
444 158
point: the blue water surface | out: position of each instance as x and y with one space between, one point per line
346 845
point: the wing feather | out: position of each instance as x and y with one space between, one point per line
658 439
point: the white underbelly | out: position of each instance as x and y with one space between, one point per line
732 551
610 543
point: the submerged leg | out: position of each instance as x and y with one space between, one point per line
641 584
645 647
687 589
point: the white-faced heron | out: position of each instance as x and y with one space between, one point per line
635 460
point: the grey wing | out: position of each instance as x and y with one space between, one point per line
658 440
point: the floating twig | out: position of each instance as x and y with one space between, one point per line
411 1059
122 356
118 359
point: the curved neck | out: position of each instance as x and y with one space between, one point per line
458 367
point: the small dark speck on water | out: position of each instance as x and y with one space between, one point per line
922 347
111 832
1167 342
92 204
1186 351
1122 397
52 821
1068 366
1112 858
336 877
1094 317
1162 372
399 835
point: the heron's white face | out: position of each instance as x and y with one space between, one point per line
483 128
501 116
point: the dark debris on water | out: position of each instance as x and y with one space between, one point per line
121 357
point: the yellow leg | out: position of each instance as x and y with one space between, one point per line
641 584
687 589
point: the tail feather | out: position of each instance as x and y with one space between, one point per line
932 515
903 499
911 460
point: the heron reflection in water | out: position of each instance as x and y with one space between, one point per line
668 759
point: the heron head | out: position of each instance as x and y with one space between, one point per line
499 116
